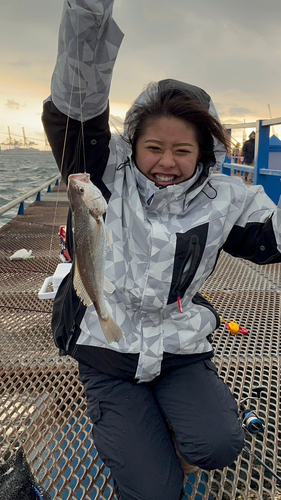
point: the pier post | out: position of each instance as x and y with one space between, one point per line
21 209
261 151
224 170
269 181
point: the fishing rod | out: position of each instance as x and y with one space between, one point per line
252 424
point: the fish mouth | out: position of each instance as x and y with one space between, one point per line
82 177
95 198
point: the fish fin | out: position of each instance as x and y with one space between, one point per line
111 330
79 287
108 286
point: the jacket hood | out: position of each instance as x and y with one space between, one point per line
195 93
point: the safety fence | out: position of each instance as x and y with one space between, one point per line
267 162
37 191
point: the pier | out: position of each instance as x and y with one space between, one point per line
43 408
267 161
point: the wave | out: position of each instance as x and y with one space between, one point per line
20 174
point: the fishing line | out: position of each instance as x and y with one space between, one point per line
113 125
226 77
58 191
81 110
76 67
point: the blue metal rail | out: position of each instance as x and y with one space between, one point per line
20 201
263 175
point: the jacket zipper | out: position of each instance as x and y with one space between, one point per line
192 254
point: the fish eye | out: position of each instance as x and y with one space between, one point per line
81 190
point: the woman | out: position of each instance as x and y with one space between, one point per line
155 398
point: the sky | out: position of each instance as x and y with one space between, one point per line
230 48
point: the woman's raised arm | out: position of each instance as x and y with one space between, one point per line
89 40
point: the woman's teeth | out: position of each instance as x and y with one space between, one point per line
164 178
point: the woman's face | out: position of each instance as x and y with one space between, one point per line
168 151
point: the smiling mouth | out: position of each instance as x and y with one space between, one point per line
164 178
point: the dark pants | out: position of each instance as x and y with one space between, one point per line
131 433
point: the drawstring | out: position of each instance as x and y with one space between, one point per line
180 306
149 201
210 197
122 165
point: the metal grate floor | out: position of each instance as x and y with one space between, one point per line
42 400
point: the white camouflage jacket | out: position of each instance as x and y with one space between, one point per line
165 242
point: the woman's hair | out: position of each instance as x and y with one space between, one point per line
176 104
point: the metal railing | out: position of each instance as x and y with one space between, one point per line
263 175
20 201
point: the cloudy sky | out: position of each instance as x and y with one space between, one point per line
230 48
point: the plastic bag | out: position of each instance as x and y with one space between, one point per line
22 254
17 481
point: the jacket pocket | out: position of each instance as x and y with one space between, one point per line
189 250
107 435
198 299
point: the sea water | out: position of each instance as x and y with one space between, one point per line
20 173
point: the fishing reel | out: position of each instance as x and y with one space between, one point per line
248 418
252 424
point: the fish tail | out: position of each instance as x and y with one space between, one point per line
111 330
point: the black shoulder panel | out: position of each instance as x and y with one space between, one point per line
78 147
255 242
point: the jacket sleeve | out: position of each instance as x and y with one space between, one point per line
89 40
75 116
256 235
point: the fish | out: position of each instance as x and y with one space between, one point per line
90 239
